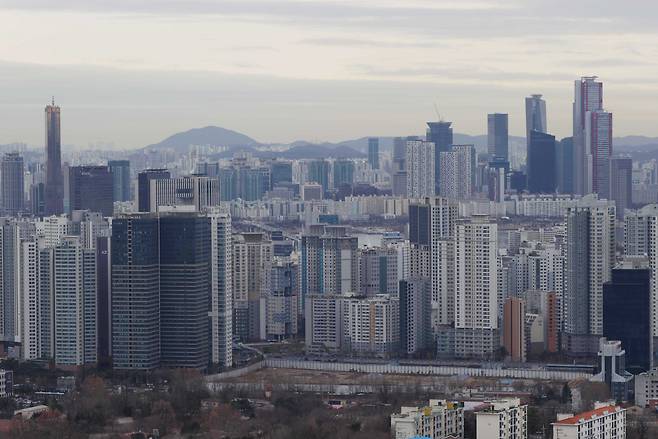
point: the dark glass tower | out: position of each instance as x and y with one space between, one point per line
184 290
497 135
627 314
280 172
373 152
144 186
54 187
318 172
91 188
440 133
541 163
135 298
564 164
11 184
621 184
121 179
343 172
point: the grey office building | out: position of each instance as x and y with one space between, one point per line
135 298
497 135
144 186
184 290
541 163
564 165
11 174
54 186
621 183
120 170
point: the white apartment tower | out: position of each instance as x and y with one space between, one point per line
504 419
420 168
458 172
476 300
221 303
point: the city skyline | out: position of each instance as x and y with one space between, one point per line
176 67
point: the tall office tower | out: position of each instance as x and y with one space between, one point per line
12 184
627 312
54 185
252 183
535 115
9 304
420 165
590 257
476 299
91 188
120 170
439 133
318 172
497 135
458 172
197 192
74 303
641 239
598 141
415 315
399 177
340 262
252 265
431 236
621 184
144 186
221 299
373 152
184 290
37 199
378 271
564 165
588 97
282 300
280 172
135 301
514 325
541 163
343 173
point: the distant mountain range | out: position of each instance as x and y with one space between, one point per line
638 147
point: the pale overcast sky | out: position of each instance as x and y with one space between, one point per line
131 72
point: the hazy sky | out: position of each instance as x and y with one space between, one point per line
131 72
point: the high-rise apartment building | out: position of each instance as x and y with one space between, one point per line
54 185
373 152
476 299
497 135
12 191
420 169
221 299
415 315
282 300
252 265
541 166
91 188
399 177
514 325
621 184
590 257
343 173
458 172
378 271
120 170
439 133
370 325
318 172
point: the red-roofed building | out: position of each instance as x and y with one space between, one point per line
606 421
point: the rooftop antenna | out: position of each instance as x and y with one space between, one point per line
438 115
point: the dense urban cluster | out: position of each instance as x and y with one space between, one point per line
421 257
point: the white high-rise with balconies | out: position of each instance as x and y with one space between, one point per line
420 168
476 298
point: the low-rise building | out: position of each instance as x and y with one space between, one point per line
439 420
606 421
646 388
503 419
